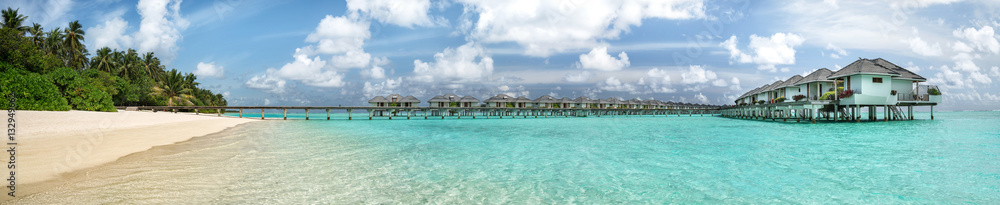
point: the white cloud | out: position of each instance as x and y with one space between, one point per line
310 72
766 52
662 75
111 34
696 75
735 84
598 59
266 83
384 88
983 39
963 62
962 47
947 78
659 81
48 13
351 59
720 83
909 66
980 78
578 78
613 84
995 71
920 47
209 70
467 63
870 25
701 98
405 13
376 72
160 28
836 52
338 35
546 27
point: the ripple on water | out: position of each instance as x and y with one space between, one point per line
557 160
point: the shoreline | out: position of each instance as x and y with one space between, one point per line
55 143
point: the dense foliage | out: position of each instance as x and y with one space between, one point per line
53 71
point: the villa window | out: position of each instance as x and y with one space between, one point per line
876 80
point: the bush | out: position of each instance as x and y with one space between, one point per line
933 91
845 94
827 96
760 102
779 99
82 93
33 91
798 97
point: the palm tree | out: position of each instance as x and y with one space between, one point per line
176 88
37 34
74 42
151 64
103 61
53 42
11 19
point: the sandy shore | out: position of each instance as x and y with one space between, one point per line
54 143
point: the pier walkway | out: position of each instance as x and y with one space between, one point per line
442 112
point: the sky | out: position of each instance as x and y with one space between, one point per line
326 53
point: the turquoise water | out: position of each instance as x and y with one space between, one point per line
705 160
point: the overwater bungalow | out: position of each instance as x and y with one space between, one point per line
787 90
394 100
446 100
500 101
876 82
583 102
565 102
614 103
545 101
379 101
468 101
865 83
522 102
816 83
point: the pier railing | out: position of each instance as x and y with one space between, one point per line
426 112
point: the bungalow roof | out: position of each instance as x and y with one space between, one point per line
903 73
863 66
816 76
468 98
378 99
499 98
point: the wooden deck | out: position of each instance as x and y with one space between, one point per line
442 112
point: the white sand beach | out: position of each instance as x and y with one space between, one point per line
51 143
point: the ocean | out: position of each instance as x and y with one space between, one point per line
592 160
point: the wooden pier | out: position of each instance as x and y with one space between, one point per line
442 112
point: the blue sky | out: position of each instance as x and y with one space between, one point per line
699 51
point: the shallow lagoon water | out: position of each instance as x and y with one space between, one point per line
604 160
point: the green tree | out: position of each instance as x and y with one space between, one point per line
175 88
33 91
73 41
13 20
103 60
37 34
53 43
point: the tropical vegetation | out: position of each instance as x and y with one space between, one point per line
798 97
933 91
53 70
